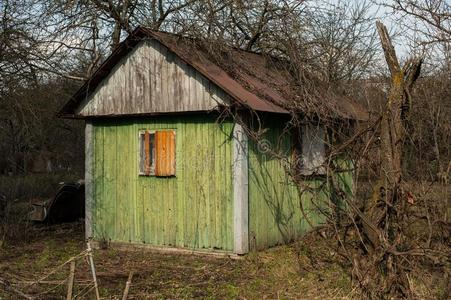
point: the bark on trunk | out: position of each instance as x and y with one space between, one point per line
387 210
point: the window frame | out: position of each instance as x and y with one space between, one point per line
299 155
141 142
153 153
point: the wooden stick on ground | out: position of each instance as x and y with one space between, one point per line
127 285
9 287
93 271
70 284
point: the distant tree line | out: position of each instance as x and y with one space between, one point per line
47 48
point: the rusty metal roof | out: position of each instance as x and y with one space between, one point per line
250 79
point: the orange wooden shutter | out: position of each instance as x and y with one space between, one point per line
147 153
165 153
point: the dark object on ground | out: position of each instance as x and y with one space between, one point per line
68 205
3 205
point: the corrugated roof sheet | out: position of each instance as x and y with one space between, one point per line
251 79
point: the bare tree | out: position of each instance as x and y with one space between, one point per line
434 15
427 24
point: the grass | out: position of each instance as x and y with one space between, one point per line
276 273
309 269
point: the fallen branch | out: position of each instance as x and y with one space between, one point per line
70 284
127 285
10 288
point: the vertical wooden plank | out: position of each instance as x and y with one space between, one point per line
159 153
162 186
181 175
147 152
172 207
137 208
165 152
109 200
206 219
187 178
172 151
219 186
192 88
185 77
147 213
164 155
131 80
89 178
130 178
147 190
148 76
226 213
229 189
200 130
222 205
116 97
99 177
192 190
171 81
141 79
199 91
164 79
212 187
206 94
122 183
152 75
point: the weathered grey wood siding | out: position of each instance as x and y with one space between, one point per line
150 79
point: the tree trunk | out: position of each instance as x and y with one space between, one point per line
387 211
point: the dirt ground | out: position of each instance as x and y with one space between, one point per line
32 261
276 273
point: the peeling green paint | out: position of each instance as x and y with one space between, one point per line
194 209
191 210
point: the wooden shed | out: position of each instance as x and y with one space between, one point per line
167 167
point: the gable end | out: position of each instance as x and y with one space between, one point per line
151 79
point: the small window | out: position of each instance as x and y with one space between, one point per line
147 152
309 151
157 152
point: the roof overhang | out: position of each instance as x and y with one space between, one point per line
211 71
242 96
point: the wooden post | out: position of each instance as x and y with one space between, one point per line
127 286
240 191
70 284
93 271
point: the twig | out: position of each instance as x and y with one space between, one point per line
84 291
12 289
58 267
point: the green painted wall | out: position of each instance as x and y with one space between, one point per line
192 210
276 213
